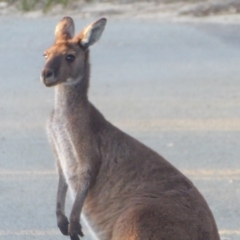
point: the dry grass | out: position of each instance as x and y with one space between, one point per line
29 5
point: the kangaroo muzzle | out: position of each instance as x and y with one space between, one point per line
48 77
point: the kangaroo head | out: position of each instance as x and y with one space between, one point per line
66 58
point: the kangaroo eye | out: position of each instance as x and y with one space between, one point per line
70 58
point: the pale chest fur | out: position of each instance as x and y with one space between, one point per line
66 152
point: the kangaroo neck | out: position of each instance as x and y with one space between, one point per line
68 97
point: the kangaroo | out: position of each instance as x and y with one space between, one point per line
125 190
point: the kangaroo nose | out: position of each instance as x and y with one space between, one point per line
47 77
47 73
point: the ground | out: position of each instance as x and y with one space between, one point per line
171 10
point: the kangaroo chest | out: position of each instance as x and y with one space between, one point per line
66 151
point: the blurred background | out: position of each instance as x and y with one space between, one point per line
150 8
166 72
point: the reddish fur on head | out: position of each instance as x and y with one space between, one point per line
65 60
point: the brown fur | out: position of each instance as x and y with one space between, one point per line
126 190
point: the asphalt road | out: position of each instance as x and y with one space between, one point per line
174 86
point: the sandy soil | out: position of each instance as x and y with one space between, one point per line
221 11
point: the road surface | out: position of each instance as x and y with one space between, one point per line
173 86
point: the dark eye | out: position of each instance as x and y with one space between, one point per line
70 58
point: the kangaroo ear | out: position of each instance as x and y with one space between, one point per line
65 29
92 33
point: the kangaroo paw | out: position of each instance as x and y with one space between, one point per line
63 224
75 230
